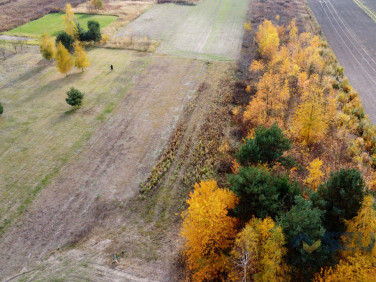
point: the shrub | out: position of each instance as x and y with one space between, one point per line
262 193
1 109
303 224
75 97
341 197
267 146
66 40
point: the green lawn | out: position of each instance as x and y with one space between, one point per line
53 23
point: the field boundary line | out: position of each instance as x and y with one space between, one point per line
367 10
353 37
344 42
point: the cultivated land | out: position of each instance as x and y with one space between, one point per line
209 30
53 24
70 179
349 31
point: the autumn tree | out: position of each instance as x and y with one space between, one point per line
359 255
47 47
315 174
80 58
96 4
208 230
258 252
363 225
69 22
64 60
310 121
356 268
270 101
267 39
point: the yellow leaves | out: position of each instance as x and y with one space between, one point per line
356 268
247 26
258 251
208 229
293 33
80 59
248 89
47 47
310 119
267 39
315 174
64 61
70 26
256 66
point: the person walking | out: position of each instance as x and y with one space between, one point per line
112 67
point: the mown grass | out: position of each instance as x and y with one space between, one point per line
53 24
39 132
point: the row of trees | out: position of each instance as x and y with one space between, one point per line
269 226
69 41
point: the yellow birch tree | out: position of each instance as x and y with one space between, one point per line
80 58
208 230
47 47
64 60
70 26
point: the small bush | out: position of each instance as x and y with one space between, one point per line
75 97
1 109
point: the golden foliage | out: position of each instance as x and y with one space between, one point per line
47 47
267 39
315 174
70 26
64 61
258 251
80 58
208 229
310 119
247 26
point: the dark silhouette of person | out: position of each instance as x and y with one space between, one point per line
112 67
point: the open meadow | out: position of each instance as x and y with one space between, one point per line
53 24
209 30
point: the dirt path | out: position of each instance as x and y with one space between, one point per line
117 158
350 33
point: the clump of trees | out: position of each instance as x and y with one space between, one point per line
75 97
284 227
69 42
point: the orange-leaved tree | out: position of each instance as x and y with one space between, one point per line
258 251
310 121
208 230
64 61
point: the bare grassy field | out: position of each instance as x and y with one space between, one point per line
39 131
209 30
